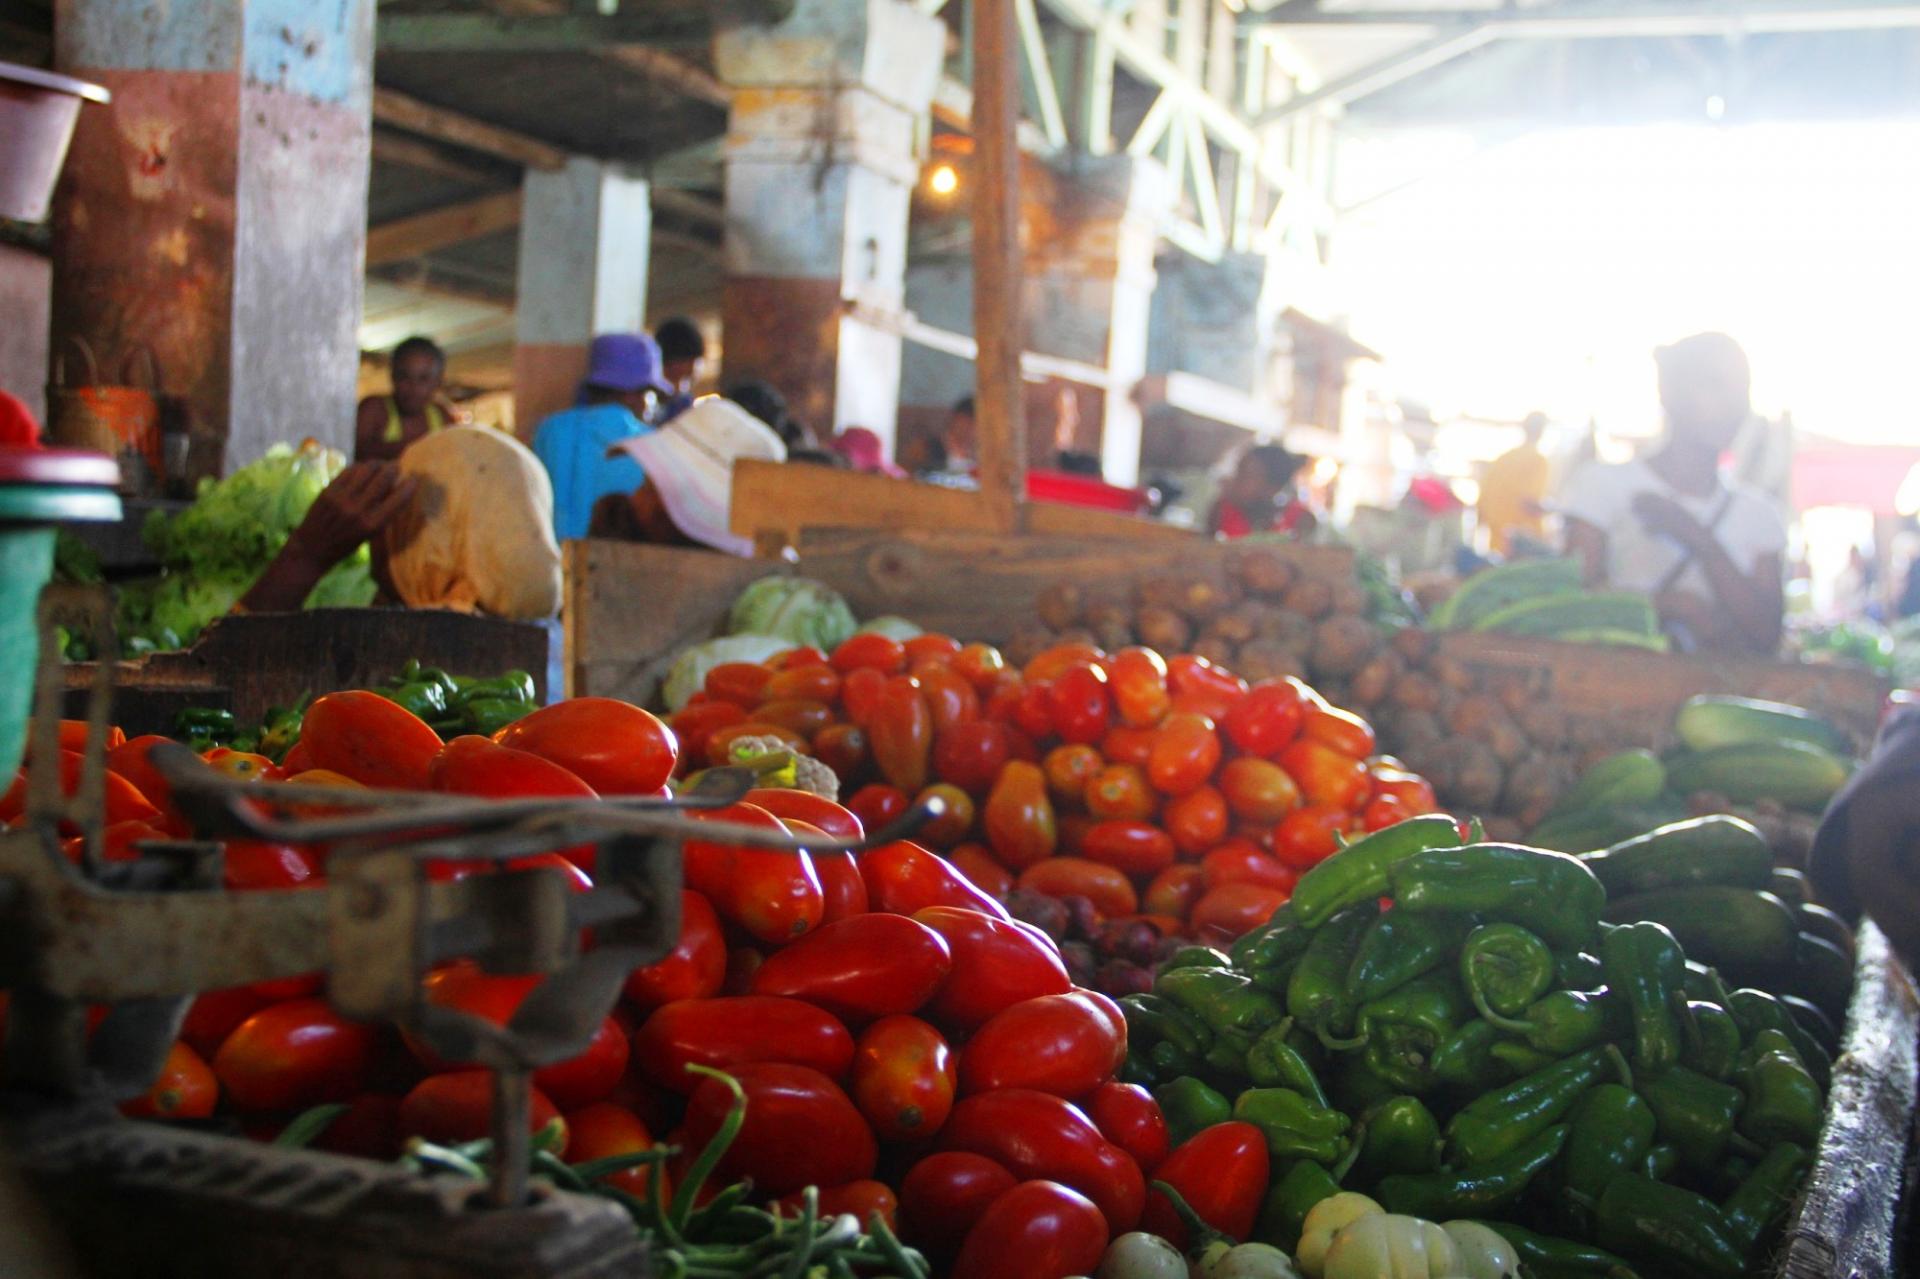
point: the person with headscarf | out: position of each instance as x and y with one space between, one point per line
618 398
1261 495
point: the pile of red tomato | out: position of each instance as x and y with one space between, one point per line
1164 787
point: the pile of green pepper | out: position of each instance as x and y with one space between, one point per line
457 704
1455 1029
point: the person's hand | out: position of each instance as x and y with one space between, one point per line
1664 517
349 511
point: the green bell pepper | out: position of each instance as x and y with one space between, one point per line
1400 1135
1317 993
512 686
1521 1059
1577 970
1466 1059
1476 1190
424 698
1359 872
1644 964
488 715
1294 1125
1712 1039
1275 1062
1399 947
1760 1200
1756 1010
1290 1197
1553 894
1662 1161
1612 1131
1499 1122
1196 957
1222 999
1784 1104
1404 1029
1570 1021
1505 968
1670 1229
1190 1106
1354 1084
1694 1113
1546 1257
1172 1039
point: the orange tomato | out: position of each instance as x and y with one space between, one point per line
951 700
1197 820
1069 769
956 824
1051 663
870 651
796 714
978 864
742 683
1342 730
370 739
1111 892
931 646
981 664
844 749
1174 890
1125 745
1018 818
186 1089
808 683
1240 862
1308 836
860 692
1138 684
1327 776
1185 753
1120 792
904 1077
1132 848
1258 791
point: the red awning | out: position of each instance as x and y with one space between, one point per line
1860 475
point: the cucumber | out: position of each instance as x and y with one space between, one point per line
1579 611
1751 936
1712 720
1598 828
1790 885
1824 923
1493 589
1706 850
1625 777
1822 975
1825 1030
1794 773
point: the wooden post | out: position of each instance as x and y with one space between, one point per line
999 403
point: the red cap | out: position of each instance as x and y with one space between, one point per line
17 427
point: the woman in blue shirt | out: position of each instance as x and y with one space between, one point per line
617 397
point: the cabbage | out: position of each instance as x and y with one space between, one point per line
892 626
797 609
689 670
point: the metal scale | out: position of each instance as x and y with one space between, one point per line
143 937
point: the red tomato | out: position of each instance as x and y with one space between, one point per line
859 1199
185 1089
1018 817
983 664
944 1194
931 646
815 683
815 810
1232 910
843 890
254 864
1054 662
844 749
900 730
375 742
903 1078
1124 745
124 803
475 765
956 821
1174 891
696 965
1069 770
951 700
1073 833
450 1109
297 760
794 658
1265 720
1037 1230
1037 1135
982 869
118 843
73 736
1063 1044
574 1082
861 968
773 893
293 1055
1326 776
1308 836
796 715
1185 753
904 878
877 805
1413 792
970 755
800 1129
1188 673
1110 891
996 965
1382 812
1196 820
1129 1117
1342 730
1132 848
612 746
213 1014
860 694
129 760
888 656
695 724
735 1030
369 1127
1222 1174
1139 687
1239 861
1078 706
741 683
603 1130
1258 791
1120 792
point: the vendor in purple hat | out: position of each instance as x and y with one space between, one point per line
617 397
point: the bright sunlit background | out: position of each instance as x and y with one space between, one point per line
1539 273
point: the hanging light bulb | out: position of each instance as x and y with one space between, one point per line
944 180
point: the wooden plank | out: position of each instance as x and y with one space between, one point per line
999 401
422 233
410 152
442 125
694 208
631 607
683 22
1644 689
658 65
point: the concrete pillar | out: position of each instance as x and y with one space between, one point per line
821 161
584 232
215 213
1208 320
1091 285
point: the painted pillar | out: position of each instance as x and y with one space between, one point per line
584 231
214 214
1091 288
1209 320
821 162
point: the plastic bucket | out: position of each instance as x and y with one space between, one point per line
31 510
37 114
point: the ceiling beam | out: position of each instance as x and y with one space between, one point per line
658 22
422 233
694 208
658 65
442 125
410 152
1384 72
1610 18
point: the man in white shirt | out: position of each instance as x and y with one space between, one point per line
1670 525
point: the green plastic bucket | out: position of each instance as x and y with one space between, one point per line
39 490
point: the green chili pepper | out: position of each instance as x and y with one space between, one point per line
1220 998
1290 1197
1783 1101
1577 970
1756 1010
207 722
1498 1122
512 686
1359 872
1355 1084
1694 1113
1406 1028
1670 1229
1151 1020
1703 982
1196 957
1713 1039
1226 1058
1644 964
1190 1106
1399 947
1521 1059
1760 1200
488 715
1167 1060
1401 1136
1505 968
1317 995
1553 894
1569 1021
1612 1130
1476 1190
1662 1161
1294 1126
1274 1062
1278 942
424 698
1546 1257
1466 1060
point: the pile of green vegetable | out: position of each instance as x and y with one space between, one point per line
1504 1034
1545 599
